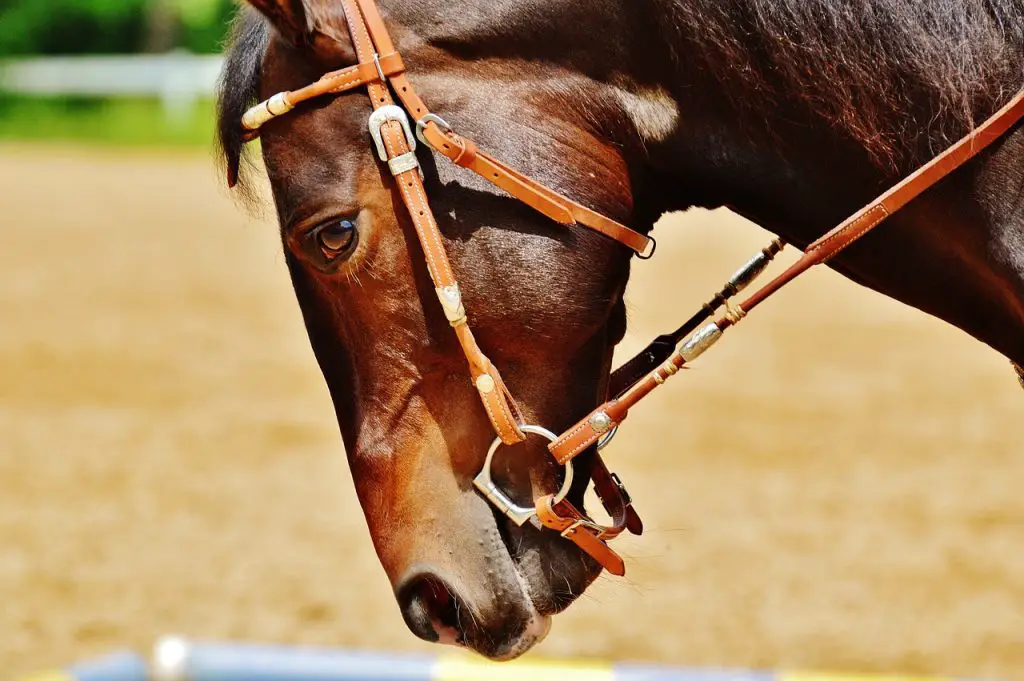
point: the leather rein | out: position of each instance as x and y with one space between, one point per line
395 129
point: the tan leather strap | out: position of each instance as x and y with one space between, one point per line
334 82
611 414
371 37
498 403
662 347
465 153
591 537
872 215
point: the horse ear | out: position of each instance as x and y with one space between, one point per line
289 17
318 24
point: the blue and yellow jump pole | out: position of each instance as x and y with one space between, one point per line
179 659
125 666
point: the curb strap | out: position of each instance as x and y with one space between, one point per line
592 538
611 414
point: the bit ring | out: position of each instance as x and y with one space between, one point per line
520 515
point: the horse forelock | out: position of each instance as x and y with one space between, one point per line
239 89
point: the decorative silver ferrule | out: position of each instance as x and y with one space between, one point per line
278 105
746 275
699 342
451 301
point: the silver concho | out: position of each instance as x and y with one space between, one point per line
451 301
601 422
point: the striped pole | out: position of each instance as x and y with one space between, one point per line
177 659
118 667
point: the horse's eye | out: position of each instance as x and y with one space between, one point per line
336 238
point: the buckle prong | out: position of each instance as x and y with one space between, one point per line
598 531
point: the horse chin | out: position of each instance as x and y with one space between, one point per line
551 571
535 633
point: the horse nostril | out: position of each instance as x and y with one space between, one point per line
430 609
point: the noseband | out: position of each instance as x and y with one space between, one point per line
382 72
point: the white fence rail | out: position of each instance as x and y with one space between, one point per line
178 79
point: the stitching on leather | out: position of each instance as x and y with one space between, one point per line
377 91
426 234
507 402
433 232
410 205
583 445
567 438
506 412
510 430
361 24
856 225
490 414
348 84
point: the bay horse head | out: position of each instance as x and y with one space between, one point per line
545 302
587 98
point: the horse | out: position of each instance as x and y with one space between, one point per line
792 113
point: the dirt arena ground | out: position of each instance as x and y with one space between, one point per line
842 489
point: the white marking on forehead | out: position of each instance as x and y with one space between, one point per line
652 110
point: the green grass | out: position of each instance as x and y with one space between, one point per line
114 122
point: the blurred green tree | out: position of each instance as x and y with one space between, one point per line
111 26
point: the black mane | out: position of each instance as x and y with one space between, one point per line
239 89
904 78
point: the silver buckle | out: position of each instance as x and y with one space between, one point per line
626 499
520 515
599 532
421 125
381 116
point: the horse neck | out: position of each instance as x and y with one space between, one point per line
799 173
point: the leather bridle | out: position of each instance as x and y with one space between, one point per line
395 129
